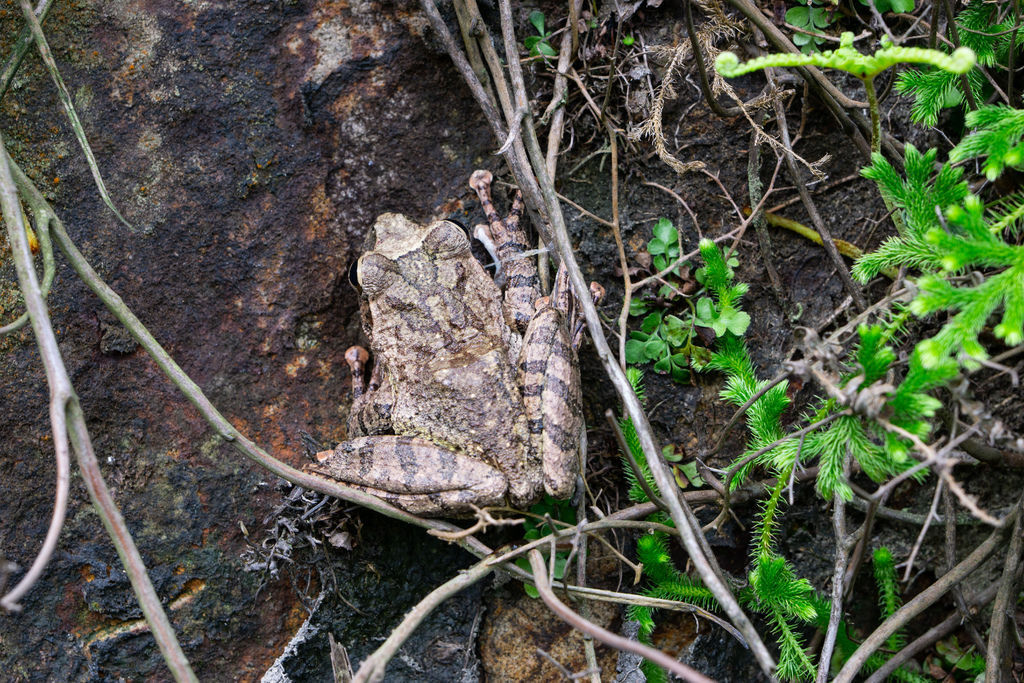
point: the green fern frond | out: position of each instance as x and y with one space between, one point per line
794 664
872 354
643 615
667 582
636 492
847 58
635 377
684 589
918 193
916 198
893 253
934 89
990 40
764 526
973 245
653 673
778 588
652 551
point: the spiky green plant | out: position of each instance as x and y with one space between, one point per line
889 599
945 231
997 133
774 590
990 40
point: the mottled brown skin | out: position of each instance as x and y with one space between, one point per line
467 412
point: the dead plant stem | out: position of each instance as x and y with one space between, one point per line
930 637
64 409
373 667
812 210
20 48
69 108
61 391
678 508
998 657
838 572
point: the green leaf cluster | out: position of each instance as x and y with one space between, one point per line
957 657
884 6
664 340
664 245
813 18
990 40
538 45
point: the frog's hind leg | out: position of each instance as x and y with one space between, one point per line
413 474
522 283
550 381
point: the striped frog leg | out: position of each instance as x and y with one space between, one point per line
522 284
549 378
406 470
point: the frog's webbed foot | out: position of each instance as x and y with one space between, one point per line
522 284
371 406
413 474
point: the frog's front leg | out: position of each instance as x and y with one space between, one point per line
413 474
371 405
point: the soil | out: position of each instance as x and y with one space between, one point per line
249 145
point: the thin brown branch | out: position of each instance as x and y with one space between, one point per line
998 658
835 615
373 667
20 48
69 108
852 288
56 377
930 637
64 406
49 270
925 599
679 510
58 400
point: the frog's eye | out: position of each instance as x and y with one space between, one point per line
375 273
446 238
353 274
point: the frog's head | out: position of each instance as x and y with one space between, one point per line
398 239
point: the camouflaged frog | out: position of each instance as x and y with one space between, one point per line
474 398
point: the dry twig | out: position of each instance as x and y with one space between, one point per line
69 425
